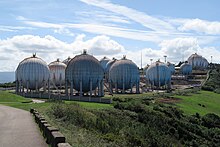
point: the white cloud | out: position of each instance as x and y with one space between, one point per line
5 28
137 16
99 45
15 49
179 48
101 29
200 26
101 17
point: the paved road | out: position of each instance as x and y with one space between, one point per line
18 129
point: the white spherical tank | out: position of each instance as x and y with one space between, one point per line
32 73
198 62
158 74
57 72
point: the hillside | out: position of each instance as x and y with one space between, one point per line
213 80
134 120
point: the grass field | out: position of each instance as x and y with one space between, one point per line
13 100
204 102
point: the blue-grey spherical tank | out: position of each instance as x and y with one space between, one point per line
158 74
185 69
109 65
145 68
84 69
104 61
198 62
32 72
171 67
57 72
67 60
124 73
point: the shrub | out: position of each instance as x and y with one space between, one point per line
211 120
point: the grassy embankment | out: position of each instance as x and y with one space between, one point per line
135 120
202 102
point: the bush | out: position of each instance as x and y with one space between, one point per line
211 120
134 124
217 90
208 88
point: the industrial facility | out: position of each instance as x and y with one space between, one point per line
85 76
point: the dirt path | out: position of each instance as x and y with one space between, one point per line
17 128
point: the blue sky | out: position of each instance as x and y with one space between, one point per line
113 28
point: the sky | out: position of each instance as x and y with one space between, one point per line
149 29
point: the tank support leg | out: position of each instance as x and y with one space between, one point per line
27 86
48 87
99 88
80 88
123 87
137 87
71 88
131 87
102 88
110 87
17 86
116 88
45 84
90 92
35 85
95 93
66 88
22 88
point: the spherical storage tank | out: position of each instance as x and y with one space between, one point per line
57 72
145 68
32 73
108 66
66 61
186 68
171 67
198 62
84 71
124 74
104 61
158 74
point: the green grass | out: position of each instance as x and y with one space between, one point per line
190 104
13 100
6 97
92 105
